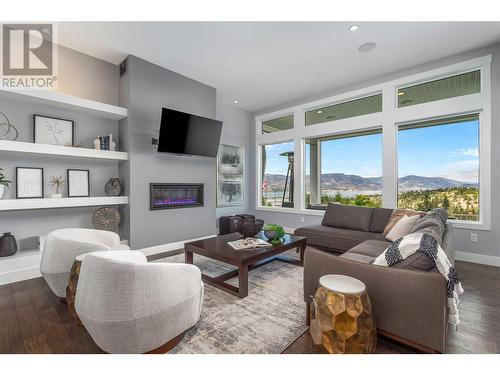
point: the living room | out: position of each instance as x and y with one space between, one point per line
179 188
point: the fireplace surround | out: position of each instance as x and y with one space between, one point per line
168 196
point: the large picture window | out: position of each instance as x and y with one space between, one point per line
277 175
438 164
345 169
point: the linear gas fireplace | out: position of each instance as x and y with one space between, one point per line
165 196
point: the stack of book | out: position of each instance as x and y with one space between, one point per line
106 143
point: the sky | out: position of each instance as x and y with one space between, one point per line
449 151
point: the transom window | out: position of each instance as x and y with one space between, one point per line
353 108
449 87
277 124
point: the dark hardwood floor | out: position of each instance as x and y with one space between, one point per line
33 320
479 330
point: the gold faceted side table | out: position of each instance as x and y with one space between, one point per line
341 316
71 288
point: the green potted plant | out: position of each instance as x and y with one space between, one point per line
274 233
3 183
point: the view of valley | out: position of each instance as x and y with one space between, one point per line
461 199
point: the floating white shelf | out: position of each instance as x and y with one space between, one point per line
25 264
64 101
38 203
41 149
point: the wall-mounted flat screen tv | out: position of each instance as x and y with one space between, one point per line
184 133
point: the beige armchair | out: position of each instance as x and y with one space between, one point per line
61 248
130 306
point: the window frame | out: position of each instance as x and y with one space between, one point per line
389 120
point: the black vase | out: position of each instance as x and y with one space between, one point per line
8 245
249 226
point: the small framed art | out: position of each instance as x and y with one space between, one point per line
53 131
78 182
29 182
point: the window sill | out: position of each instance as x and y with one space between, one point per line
460 224
278 209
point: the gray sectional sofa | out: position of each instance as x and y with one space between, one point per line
409 298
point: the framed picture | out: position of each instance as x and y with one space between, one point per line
53 131
78 183
29 182
230 176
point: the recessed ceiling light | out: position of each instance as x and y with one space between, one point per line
367 47
401 93
320 112
353 27
235 102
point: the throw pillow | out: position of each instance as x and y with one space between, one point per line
397 214
402 227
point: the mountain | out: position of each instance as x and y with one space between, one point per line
341 181
413 182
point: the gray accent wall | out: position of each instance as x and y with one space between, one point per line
145 89
488 241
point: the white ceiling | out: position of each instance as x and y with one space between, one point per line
270 63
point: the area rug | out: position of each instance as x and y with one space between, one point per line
265 322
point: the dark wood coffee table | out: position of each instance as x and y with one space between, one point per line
246 260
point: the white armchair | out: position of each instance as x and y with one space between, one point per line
61 248
130 306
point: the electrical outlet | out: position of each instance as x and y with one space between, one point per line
302 219
473 237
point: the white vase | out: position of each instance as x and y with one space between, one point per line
54 196
2 191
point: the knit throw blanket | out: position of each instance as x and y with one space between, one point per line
410 244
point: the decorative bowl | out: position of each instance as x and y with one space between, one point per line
270 234
249 226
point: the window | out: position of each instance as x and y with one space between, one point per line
277 175
439 166
450 87
277 124
353 108
345 169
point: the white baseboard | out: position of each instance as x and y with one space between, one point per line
488 260
169 246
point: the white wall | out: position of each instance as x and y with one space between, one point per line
487 249
237 130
